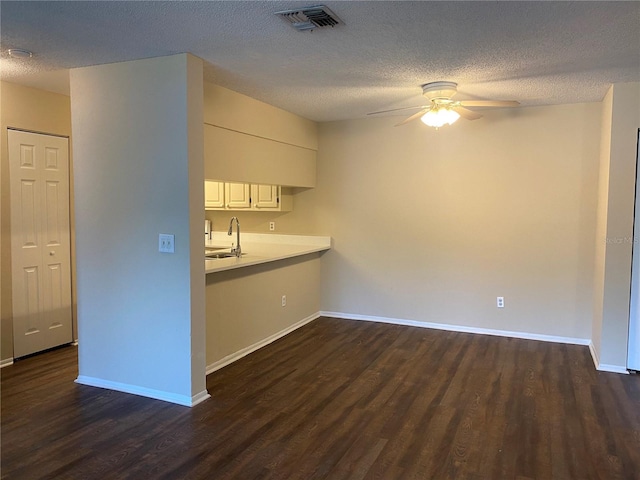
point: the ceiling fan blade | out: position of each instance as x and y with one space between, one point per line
466 114
398 109
489 103
415 116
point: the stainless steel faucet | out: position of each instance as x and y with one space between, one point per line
237 249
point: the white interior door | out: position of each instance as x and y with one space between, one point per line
40 241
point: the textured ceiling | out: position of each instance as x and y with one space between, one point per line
538 53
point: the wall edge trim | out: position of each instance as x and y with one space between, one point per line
223 362
603 367
6 362
187 401
594 355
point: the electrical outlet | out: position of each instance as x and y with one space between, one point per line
272 226
166 243
284 300
500 302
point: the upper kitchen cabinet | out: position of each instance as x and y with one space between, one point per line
252 142
265 197
243 196
238 156
213 194
237 196
271 198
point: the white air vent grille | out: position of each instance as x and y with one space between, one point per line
308 18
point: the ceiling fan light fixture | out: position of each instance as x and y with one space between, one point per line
438 117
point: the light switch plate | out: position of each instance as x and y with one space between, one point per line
166 243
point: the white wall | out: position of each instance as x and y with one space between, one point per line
621 120
431 226
137 144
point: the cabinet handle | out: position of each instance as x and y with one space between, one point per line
52 253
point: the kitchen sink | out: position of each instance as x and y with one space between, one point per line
219 255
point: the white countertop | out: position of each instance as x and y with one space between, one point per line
262 248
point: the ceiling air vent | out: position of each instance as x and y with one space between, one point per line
308 18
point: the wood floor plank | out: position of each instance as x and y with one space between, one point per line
338 400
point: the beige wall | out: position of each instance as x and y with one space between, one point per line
600 248
621 120
39 111
299 221
432 226
234 323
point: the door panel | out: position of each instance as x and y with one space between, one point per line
27 156
53 292
52 231
40 250
28 221
51 158
32 299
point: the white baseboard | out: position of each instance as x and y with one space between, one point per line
223 362
460 328
6 362
603 367
199 398
144 392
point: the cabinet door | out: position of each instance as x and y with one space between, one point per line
213 194
237 195
265 197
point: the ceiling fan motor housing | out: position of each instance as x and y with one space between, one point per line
440 92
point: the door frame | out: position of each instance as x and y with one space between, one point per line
633 335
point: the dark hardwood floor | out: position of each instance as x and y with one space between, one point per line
338 399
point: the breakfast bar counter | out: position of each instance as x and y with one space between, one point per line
261 248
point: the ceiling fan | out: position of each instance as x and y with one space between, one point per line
442 110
